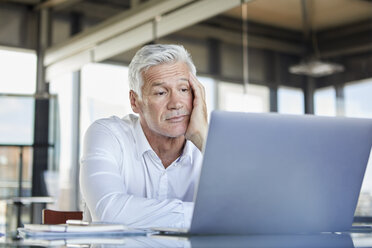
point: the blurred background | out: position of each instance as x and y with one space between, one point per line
64 64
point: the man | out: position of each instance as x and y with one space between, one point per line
141 171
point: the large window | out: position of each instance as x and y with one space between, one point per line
325 101
16 119
63 88
18 71
16 138
210 91
358 99
17 83
104 93
358 103
290 100
232 97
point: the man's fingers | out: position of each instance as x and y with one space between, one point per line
198 126
198 88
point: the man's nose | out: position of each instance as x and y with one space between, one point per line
175 101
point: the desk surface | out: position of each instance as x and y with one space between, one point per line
351 240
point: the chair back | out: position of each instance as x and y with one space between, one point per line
59 217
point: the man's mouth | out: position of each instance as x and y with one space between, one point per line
177 118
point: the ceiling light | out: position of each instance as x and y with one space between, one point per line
316 68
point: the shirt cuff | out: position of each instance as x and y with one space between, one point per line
188 209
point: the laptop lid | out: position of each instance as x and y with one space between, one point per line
271 173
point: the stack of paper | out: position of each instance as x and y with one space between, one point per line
76 241
65 230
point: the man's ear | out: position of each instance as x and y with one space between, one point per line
134 101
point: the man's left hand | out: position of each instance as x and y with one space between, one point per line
198 126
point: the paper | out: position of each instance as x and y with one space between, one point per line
24 233
112 240
64 230
76 228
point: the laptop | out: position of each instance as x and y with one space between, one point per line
279 174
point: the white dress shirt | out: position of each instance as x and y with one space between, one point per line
123 180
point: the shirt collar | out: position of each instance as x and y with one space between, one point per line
144 146
187 151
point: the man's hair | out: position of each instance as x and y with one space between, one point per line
152 55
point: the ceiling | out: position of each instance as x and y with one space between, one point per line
323 14
286 15
96 9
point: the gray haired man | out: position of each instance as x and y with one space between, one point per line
141 170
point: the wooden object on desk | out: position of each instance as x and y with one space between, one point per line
59 217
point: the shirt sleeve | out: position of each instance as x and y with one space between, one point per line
104 190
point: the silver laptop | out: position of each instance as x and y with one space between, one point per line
271 174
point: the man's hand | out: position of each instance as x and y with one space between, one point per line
198 126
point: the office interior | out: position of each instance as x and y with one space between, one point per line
64 64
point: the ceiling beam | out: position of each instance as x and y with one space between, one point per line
55 3
110 28
92 10
132 28
203 31
192 14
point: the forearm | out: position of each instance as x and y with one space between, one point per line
107 199
143 212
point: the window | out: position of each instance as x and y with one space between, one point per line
358 99
358 103
16 120
104 93
12 62
325 101
19 113
232 98
62 87
16 128
209 86
290 101
18 80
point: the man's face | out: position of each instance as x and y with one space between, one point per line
166 102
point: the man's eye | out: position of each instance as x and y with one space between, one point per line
160 93
185 90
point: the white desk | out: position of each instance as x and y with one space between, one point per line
358 240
